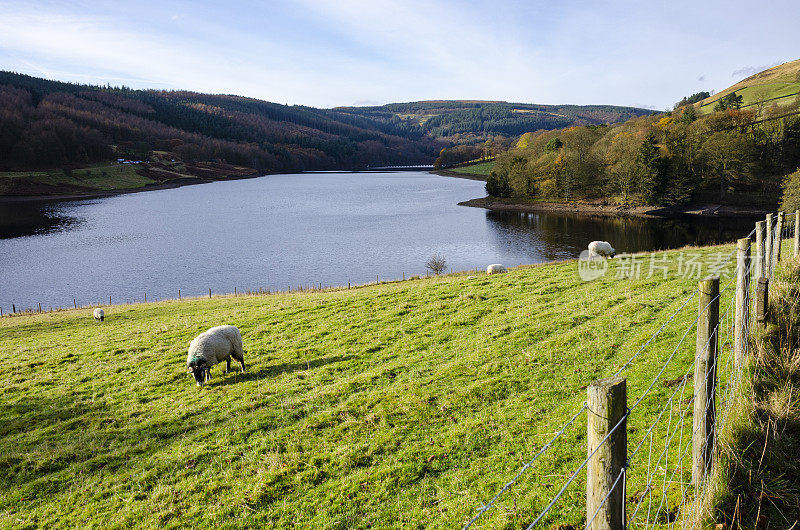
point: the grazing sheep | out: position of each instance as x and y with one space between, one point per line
495 268
211 347
99 315
602 248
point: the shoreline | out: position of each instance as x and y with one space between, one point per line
610 210
100 194
455 174
172 184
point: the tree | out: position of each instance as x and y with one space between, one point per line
730 101
726 153
621 161
790 201
689 115
650 168
694 98
437 264
497 185
554 145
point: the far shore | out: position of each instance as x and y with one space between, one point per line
451 173
99 194
613 210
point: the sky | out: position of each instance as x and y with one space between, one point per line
326 53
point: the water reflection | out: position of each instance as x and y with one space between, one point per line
32 218
559 236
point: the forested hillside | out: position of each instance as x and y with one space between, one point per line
47 124
737 151
476 120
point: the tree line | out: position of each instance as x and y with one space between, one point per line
661 159
50 124
475 121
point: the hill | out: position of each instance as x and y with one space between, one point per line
49 125
465 120
402 403
778 86
181 136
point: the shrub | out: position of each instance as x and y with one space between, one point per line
436 264
497 185
791 192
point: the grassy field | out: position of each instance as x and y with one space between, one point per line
400 404
778 85
101 177
483 169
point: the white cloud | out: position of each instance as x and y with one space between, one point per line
335 52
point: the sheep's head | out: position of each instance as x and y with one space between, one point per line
199 369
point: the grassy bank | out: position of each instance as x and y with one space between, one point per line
757 484
481 169
110 178
401 404
100 177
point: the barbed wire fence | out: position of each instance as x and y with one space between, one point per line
660 478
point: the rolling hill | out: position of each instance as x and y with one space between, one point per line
49 129
464 120
779 85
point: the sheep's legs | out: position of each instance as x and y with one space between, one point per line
227 365
239 358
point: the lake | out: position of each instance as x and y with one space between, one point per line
281 231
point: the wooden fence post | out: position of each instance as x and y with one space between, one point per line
607 407
741 326
768 248
758 265
179 294
209 292
779 237
796 233
762 299
705 379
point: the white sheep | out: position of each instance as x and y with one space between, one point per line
99 315
601 248
211 347
496 268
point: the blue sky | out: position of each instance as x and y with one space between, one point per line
327 53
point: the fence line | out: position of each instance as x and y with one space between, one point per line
725 334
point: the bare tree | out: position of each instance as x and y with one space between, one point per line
436 264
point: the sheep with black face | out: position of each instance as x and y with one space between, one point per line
211 347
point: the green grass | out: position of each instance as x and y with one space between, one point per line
779 84
99 177
758 481
483 169
400 404
776 93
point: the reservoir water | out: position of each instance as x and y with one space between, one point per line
281 231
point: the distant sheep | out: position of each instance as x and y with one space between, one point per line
99 315
211 347
496 268
602 248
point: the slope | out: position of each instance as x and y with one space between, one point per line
779 85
